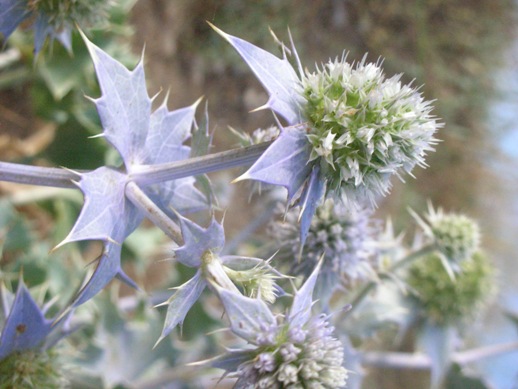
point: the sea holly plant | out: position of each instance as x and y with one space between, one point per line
349 129
340 134
297 349
141 137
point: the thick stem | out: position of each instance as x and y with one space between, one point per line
36 175
143 175
153 212
153 174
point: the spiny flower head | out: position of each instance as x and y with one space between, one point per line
32 369
345 237
456 236
26 338
364 127
349 129
445 300
296 350
64 13
52 18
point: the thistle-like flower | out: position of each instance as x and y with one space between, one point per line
201 250
52 18
456 236
26 337
350 129
445 300
345 238
296 350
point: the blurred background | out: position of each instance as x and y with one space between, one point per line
463 52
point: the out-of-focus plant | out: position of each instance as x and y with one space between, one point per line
342 133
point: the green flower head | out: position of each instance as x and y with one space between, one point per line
456 236
364 127
445 300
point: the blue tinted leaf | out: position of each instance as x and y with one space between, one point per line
26 326
141 138
284 163
310 198
181 302
179 194
167 132
108 267
239 263
232 359
277 76
300 311
164 143
248 316
124 107
106 214
198 240
109 216
12 13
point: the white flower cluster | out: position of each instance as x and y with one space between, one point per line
364 128
295 357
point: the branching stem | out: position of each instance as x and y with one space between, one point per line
153 212
143 175
154 174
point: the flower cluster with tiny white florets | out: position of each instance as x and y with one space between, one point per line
364 127
295 357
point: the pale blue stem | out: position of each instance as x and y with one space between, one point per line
153 212
153 174
37 175
143 175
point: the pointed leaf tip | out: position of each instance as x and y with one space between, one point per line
301 307
242 177
277 76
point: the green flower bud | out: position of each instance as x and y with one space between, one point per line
445 300
456 236
256 282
